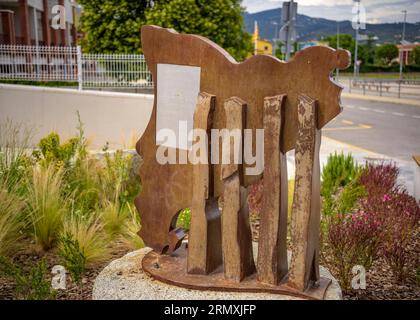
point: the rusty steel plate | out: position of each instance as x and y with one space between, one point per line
172 269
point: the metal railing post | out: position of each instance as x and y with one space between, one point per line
399 88
79 68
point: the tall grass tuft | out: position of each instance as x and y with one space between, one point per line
132 225
46 208
14 146
87 231
11 221
113 217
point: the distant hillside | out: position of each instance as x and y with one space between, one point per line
315 28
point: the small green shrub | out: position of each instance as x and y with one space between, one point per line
51 151
32 285
74 258
338 172
45 206
184 219
344 200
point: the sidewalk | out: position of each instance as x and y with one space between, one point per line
329 145
411 102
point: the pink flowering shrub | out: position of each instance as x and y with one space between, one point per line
400 217
397 212
351 240
382 224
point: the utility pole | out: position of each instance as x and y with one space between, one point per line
355 74
401 52
287 31
338 45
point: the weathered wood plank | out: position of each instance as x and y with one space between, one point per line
238 260
272 249
204 244
304 266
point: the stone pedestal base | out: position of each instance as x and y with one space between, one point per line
124 279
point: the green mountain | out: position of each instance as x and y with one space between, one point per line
309 28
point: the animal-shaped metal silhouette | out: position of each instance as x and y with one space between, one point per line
291 101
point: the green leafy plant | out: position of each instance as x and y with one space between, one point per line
343 200
74 258
31 285
184 219
45 206
338 172
51 151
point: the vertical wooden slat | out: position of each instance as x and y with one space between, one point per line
306 201
272 248
204 244
238 260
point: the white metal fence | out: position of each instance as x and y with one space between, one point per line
69 64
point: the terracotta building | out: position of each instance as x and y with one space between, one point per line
406 50
29 22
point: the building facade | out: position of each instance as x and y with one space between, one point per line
406 52
29 22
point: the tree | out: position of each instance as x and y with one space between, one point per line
416 55
386 53
367 51
278 50
346 42
219 20
112 26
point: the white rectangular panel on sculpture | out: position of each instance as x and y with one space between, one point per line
177 91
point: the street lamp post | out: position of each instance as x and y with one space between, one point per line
276 36
355 73
401 53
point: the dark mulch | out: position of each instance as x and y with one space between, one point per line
28 258
381 284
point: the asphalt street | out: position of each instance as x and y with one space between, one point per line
386 128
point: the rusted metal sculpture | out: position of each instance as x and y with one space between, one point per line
291 102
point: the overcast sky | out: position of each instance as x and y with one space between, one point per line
377 11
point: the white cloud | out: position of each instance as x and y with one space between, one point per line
376 10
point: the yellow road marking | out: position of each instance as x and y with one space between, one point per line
347 122
351 145
358 127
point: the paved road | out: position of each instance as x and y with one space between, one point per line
386 128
